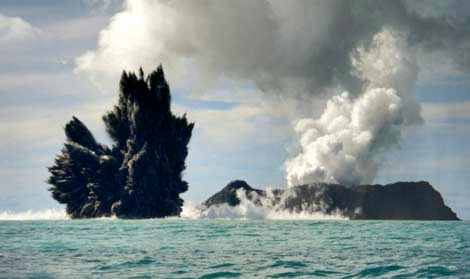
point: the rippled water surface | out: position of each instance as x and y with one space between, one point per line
223 249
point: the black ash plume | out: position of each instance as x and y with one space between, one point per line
140 176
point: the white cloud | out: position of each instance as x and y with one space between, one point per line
15 29
57 83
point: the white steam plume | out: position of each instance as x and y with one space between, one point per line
298 49
346 144
266 207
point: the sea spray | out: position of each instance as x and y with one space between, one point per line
256 207
246 210
47 214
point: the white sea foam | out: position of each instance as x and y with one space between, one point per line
246 210
47 214
265 208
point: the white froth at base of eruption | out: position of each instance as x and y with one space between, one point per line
347 143
47 214
248 210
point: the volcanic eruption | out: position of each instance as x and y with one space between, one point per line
140 176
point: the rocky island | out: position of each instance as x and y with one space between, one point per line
397 201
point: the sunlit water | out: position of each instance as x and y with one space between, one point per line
110 248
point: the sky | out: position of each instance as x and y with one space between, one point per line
245 72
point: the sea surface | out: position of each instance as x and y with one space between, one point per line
178 248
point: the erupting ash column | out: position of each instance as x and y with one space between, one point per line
141 175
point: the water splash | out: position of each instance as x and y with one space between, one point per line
251 207
47 214
263 208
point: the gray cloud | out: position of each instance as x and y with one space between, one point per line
290 47
299 49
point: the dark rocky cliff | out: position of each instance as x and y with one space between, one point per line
398 201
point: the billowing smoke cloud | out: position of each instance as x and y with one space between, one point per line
286 47
303 49
347 143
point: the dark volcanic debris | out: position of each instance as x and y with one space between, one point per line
140 176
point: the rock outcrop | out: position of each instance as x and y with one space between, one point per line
398 201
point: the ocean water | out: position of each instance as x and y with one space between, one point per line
202 248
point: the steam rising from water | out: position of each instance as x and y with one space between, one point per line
265 208
346 144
